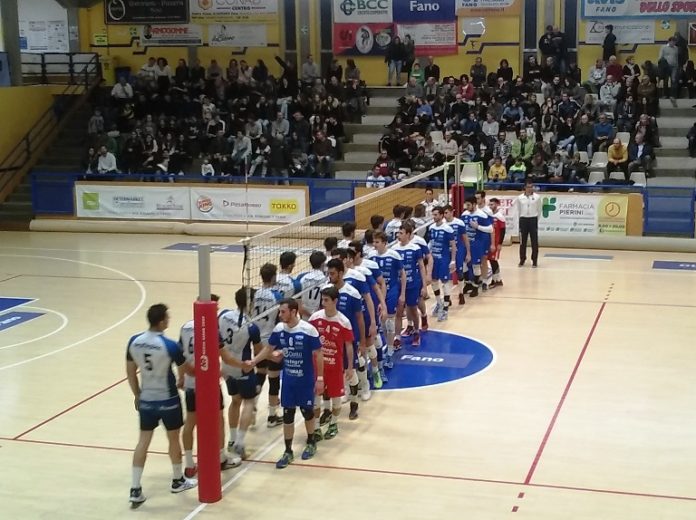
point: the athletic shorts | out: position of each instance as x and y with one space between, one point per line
392 301
477 253
272 366
244 386
297 395
496 254
413 295
334 385
441 269
461 256
169 412
191 400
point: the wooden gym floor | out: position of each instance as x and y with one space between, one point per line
586 413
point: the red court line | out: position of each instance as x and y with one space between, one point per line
385 472
70 408
540 451
564 300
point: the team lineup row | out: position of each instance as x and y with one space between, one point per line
331 332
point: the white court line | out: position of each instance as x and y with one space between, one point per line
143 294
260 453
62 316
159 252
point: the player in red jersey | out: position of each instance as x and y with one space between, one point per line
499 227
336 336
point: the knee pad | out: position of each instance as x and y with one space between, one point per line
361 362
274 386
390 325
354 379
477 270
260 380
307 413
371 352
289 415
336 403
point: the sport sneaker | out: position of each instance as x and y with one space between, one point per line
388 362
285 460
325 418
318 435
136 497
365 393
230 445
416 338
424 324
331 432
309 451
462 301
190 472
397 344
484 287
273 421
383 374
240 452
468 287
437 308
407 331
442 316
353 411
474 292
377 377
182 484
231 462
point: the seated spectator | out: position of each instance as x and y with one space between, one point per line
512 116
207 169
490 129
626 115
640 156
280 127
90 163
577 170
260 154
106 162
241 151
449 148
603 134
566 135
597 77
518 171
497 171
385 165
614 69
432 70
122 91
417 73
647 95
538 170
148 71
522 148
590 108
413 89
321 159
617 157
631 69
466 89
466 150
502 148
505 71
556 170
375 179
421 162
567 108
553 89
647 126
608 93
532 73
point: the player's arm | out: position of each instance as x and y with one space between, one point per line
371 312
230 360
467 246
350 352
361 329
453 251
421 267
380 291
402 289
132 375
319 362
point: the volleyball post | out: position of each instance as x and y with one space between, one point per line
206 346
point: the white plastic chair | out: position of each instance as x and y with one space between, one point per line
470 173
596 177
584 158
639 179
617 175
599 161
624 136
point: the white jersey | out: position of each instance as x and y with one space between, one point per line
186 346
369 251
344 244
154 354
420 224
311 284
486 210
392 229
286 284
429 206
266 299
237 335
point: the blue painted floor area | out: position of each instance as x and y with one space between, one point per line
572 256
12 319
9 303
441 357
674 266
215 248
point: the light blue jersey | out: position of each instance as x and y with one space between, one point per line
237 335
154 354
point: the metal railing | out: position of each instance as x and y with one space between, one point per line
59 68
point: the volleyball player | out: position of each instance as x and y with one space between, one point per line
156 397
238 336
414 268
419 222
350 305
444 250
297 343
188 383
369 243
463 249
499 226
265 299
336 334
488 239
377 223
284 280
330 243
392 227
348 232
392 267
427 260
429 203
311 283
477 231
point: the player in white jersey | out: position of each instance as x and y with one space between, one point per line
188 383
489 240
348 232
311 284
392 227
444 250
285 283
156 397
266 300
463 248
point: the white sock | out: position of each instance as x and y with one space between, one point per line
176 471
326 404
223 455
239 441
188 454
334 419
136 475
272 410
233 434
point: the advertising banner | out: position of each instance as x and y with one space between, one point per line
277 205
237 35
362 11
139 12
437 39
626 31
487 8
132 202
370 39
239 11
420 11
637 9
176 35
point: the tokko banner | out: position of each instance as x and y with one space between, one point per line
362 11
638 8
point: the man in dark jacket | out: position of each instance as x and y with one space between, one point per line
640 156
609 44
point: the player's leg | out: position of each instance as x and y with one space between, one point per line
374 362
139 458
318 400
308 414
334 390
273 393
423 314
288 429
173 420
190 469
226 461
353 386
233 410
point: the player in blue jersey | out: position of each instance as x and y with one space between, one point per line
392 267
463 250
350 305
285 282
414 267
188 383
264 312
477 230
156 397
427 260
311 283
297 343
241 339
444 250
489 238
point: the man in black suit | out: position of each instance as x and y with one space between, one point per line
640 155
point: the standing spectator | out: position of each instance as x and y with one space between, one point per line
505 71
478 73
683 49
640 155
668 60
691 137
394 58
182 75
561 48
609 43
432 70
528 207
310 71
688 78
260 72
410 54
106 162
546 44
617 157
196 72
95 125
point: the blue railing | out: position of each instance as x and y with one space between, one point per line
666 210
